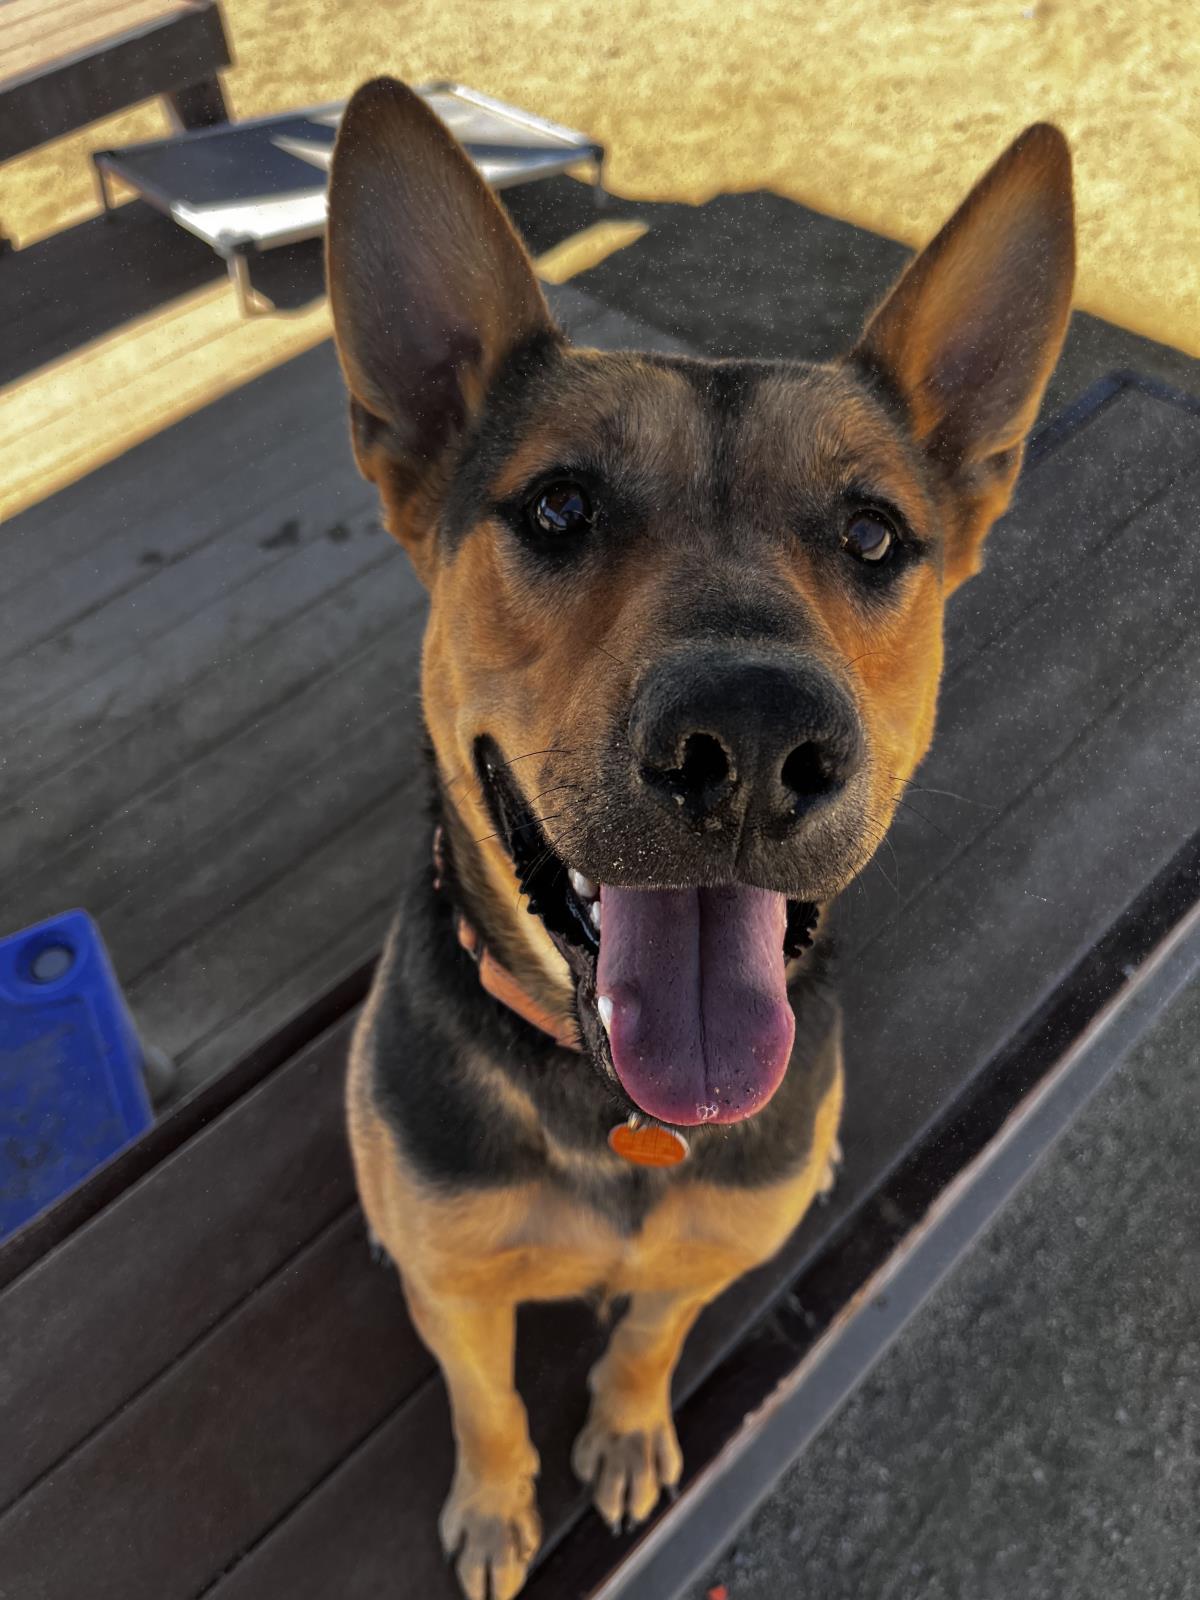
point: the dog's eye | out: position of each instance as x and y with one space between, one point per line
560 508
869 536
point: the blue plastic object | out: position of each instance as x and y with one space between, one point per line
71 1087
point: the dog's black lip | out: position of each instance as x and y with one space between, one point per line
543 879
540 871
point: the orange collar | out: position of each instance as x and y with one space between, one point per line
497 979
501 985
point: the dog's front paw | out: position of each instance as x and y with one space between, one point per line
491 1532
627 1470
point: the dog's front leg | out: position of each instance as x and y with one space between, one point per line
628 1452
490 1519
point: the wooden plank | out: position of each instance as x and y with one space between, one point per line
319 1011
175 468
47 39
279 831
117 570
250 1421
175 333
21 13
83 776
152 58
135 260
124 692
240 960
170 342
1066 505
1016 912
204 803
234 349
589 322
127 386
342 957
213 579
167 1261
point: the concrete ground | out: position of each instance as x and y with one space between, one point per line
1035 1432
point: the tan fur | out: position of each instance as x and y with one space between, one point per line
531 1243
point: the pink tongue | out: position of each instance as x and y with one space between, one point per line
701 1027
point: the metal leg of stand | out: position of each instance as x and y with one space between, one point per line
599 192
239 275
102 189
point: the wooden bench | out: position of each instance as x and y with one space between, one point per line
65 63
210 1388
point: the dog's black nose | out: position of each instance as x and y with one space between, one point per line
726 733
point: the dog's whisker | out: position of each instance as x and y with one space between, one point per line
621 662
550 750
946 794
929 822
469 775
856 659
895 859
555 788
879 867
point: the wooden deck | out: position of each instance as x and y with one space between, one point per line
208 705
65 63
209 1389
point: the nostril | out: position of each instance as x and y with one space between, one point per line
701 781
806 773
705 765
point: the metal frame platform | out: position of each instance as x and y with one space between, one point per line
260 184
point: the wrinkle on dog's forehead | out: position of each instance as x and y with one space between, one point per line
622 412
816 435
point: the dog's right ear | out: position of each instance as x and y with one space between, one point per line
430 290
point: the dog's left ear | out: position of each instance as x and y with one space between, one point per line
969 336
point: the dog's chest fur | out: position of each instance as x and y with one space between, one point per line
497 1139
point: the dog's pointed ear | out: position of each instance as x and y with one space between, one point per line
429 286
968 337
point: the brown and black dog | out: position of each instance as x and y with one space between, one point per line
683 653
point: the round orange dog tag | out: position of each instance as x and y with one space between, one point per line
648 1144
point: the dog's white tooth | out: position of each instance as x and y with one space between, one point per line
583 887
594 913
605 1007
